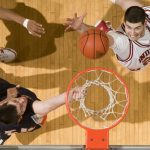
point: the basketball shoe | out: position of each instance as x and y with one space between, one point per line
7 55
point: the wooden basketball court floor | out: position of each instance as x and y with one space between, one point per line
46 65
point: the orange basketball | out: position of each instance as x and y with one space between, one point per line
93 43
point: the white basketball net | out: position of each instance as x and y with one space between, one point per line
113 93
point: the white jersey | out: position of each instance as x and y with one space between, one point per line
132 54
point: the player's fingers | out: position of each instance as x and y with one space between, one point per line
40 30
36 30
69 23
35 34
37 24
69 19
68 28
37 27
83 15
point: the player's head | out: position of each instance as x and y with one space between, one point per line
134 21
8 114
12 111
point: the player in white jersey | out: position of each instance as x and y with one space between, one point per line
131 41
132 49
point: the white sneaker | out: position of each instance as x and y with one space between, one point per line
7 55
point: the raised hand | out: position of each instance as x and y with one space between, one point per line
74 23
77 93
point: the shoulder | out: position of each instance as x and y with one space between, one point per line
119 38
25 91
147 11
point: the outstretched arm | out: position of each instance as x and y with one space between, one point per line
32 26
42 108
77 23
125 4
9 15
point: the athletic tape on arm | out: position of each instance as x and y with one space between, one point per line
25 23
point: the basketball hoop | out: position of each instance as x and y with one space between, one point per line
102 104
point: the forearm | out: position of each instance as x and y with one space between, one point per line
11 16
55 102
44 107
125 4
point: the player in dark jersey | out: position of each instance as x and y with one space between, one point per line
22 111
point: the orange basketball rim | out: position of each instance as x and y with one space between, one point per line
101 105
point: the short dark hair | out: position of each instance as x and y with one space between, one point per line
135 14
8 114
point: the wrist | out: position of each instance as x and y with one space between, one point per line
25 23
80 27
83 28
